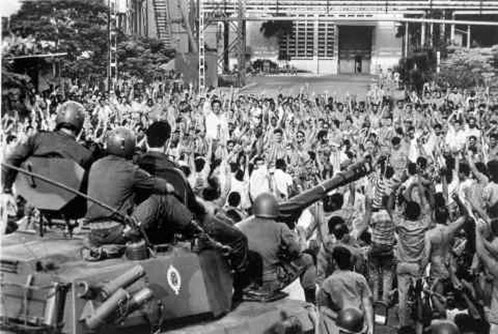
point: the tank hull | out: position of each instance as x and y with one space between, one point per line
187 287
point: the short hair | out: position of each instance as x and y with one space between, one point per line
199 163
493 170
214 102
412 168
280 164
481 167
464 169
337 199
412 210
422 162
441 215
234 199
333 221
343 258
278 130
257 159
340 230
389 172
158 133
239 175
321 134
396 141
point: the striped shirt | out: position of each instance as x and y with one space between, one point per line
383 187
382 228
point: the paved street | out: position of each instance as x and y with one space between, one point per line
340 84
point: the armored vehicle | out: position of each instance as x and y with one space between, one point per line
47 286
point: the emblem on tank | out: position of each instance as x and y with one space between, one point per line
174 279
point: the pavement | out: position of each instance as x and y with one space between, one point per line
292 84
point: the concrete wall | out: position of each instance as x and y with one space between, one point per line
386 48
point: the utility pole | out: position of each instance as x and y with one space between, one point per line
112 71
241 43
202 50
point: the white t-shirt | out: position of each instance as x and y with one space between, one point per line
259 183
212 122
282 181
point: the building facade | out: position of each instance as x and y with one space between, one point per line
343 36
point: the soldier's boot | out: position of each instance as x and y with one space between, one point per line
201 240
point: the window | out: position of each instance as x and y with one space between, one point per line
299 44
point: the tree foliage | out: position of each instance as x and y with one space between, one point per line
143 57
279 29
467 68
79 28
417 69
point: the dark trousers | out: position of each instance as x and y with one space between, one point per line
162 216
231 236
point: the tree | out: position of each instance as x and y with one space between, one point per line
467 68
142 58
279 29
78 27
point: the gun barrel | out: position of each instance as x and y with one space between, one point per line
291 209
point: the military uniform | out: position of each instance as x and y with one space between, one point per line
160 166
60 144
116 181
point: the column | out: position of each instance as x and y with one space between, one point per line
406 38
422 35
315 44
443 28
468 36
431 34
336 49
452 31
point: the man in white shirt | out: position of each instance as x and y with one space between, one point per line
216 124
283 180
456 136
259 182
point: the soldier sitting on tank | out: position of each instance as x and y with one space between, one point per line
156 162
283 261
115 181
60 143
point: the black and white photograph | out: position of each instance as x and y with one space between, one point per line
249 167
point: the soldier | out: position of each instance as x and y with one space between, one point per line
444 327
282 259
156 162
350 320
60 143
115 181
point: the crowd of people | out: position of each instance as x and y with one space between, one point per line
419 232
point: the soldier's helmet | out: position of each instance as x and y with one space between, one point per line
350 320
444 327
121 142
265 206
70 114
